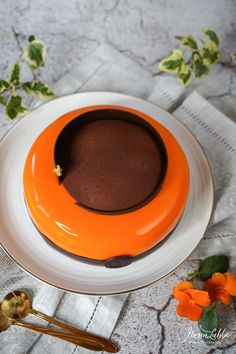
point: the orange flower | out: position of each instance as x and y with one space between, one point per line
191 300
221 287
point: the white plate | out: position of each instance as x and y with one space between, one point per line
28 248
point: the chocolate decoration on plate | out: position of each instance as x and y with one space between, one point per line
118 262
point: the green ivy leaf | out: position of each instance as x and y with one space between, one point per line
188 41
14 77
211 265
210 53
31 38
4 85
208 325
200 69
40 89
179 38
27 87
34 53
185 77
214 37
233 56
15 107
174 63
2 101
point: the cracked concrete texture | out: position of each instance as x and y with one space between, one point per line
143 30
149 325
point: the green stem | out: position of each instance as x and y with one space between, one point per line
227 65
159 73
213 306
5 90
12 89
16 36
196 52
194 274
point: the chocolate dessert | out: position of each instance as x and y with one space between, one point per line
97 184
112 161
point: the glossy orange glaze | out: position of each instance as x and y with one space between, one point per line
100 236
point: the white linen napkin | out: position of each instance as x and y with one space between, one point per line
108 70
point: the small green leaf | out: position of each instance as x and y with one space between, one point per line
4 85
211 265
208 325
2 101
31 38
174 63
185 77
214 37
179 37
34 53
200 69
27 87
40 89
210 53
14 77
188 41
233 56
15 107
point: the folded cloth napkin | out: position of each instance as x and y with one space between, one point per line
108 70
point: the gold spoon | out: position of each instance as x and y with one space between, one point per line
18 305
6 322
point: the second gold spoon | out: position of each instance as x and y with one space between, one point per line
17 304
6 322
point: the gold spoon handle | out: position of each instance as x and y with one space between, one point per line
82 342
109 346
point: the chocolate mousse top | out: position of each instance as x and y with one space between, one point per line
112 160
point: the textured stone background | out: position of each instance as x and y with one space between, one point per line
145 31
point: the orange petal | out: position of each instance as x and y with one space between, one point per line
182 296
182 309
200 297
191 311
225 297
179 290
212 289
219 279
230 285
195 312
